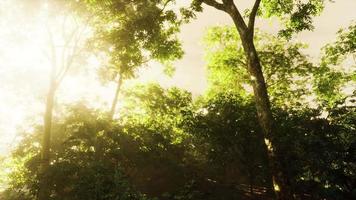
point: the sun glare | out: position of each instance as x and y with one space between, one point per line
31 47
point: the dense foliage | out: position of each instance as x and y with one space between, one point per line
164 144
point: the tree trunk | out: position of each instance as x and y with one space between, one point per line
116 97
280 184
44 190
266 121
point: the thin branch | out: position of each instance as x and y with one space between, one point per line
215 4
70 58
253 14
165 5
76 35
67 42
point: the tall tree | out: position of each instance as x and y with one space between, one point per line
148 27
66 36
297 15
132 34
131 38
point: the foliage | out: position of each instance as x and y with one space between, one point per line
167 145
344 46
208 148
296 16
226 129
322 150
287 70
337 68
131 33
95 158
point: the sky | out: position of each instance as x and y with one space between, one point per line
22 103
190 71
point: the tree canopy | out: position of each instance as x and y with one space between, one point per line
273 123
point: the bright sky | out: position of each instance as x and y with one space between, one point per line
24 70
191 69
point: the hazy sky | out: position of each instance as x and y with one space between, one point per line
190 72
16 106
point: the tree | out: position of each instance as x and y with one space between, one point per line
288 72
56 77
150 25
131 38
132 41
94 157
142 29
287 69
298 15
66 36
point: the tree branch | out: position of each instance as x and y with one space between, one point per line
70 58
165 5
215 4
238 20
252 17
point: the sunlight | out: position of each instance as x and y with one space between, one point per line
33 46
97 99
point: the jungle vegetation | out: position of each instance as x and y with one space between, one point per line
272 124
